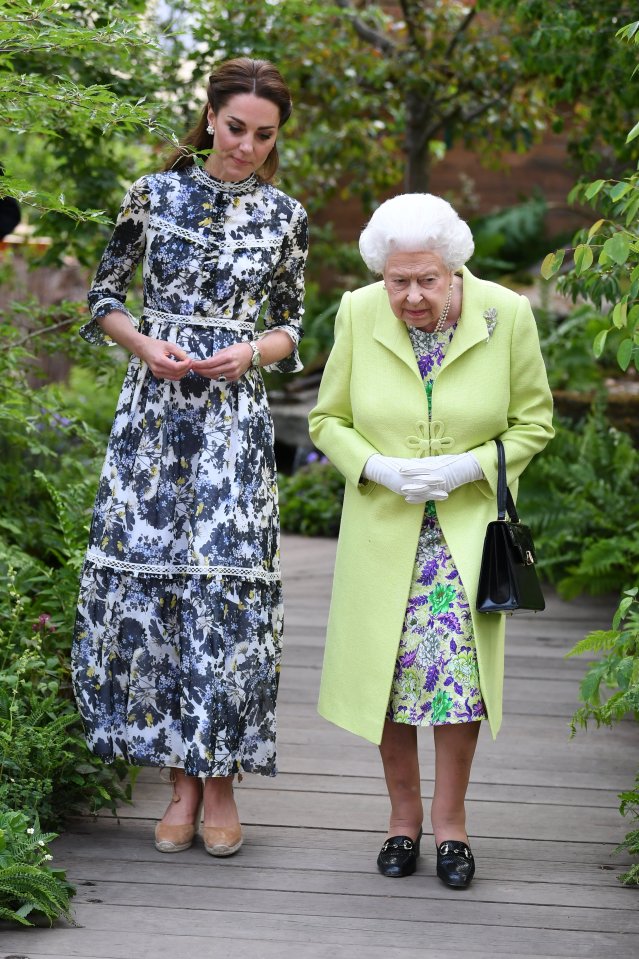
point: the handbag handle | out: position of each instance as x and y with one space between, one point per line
505 502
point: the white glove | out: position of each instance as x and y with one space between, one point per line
390 471
452 470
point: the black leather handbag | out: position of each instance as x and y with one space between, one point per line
507 578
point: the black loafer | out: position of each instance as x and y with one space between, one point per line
455 863
398 856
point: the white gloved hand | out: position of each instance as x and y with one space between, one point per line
453 471
390 471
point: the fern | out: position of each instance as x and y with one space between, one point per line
594 642
616 673
573 496
27 883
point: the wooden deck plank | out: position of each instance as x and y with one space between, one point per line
542 812
127 933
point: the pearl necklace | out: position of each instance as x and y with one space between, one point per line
443 316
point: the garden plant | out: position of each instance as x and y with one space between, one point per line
605 272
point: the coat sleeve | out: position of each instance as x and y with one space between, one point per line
331 421
119 263
530 405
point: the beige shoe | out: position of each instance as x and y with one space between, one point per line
220 841
174 838
170 838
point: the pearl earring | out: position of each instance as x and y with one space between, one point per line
210 129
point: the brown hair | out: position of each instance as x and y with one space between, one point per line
241 75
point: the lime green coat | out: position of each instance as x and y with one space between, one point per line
492 383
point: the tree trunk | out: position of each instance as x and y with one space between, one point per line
417 172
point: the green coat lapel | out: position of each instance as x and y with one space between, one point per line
472 328
392 333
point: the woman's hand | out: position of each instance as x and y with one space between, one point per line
167 361
230 364
389 471
451 471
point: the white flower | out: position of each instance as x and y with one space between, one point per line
30 831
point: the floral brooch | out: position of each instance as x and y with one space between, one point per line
490 315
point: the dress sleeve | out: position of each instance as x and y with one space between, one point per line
118 264
286 301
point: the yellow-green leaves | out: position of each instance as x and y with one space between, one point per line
583 257
617 247
552 263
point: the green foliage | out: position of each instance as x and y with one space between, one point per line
509 239
28 885
47 486
605 258
563 343
311 499
574 497
610 692
605 271
588 75
67 113
379 90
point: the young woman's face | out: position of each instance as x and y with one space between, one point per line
245 131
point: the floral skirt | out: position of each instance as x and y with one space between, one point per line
179 672
436 679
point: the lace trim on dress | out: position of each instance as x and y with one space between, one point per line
199 320
217 233
182 569
224 186
168 227
114 305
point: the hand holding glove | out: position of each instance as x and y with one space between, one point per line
390 471
451 470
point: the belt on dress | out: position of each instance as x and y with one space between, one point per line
197 319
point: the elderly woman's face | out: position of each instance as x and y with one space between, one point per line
417 286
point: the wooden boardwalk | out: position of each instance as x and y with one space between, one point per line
542 818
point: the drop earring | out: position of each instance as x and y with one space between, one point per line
210 129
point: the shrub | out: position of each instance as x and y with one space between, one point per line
311 499
580 497
616 669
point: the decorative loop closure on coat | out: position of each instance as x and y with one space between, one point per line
430 438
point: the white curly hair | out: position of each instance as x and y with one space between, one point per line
415 223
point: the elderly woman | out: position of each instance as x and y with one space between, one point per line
428 368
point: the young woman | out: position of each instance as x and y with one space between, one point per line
178 634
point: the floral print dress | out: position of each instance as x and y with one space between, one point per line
436 679
178 633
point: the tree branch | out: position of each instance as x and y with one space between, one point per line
43 331
413 32
378 40
461 29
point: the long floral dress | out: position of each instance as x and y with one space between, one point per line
179 625
436 679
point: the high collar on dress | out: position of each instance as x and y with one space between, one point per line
233 187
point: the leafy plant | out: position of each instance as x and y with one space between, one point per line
28 885
47 485
45 766
605 271
311 499
617 669
574 496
